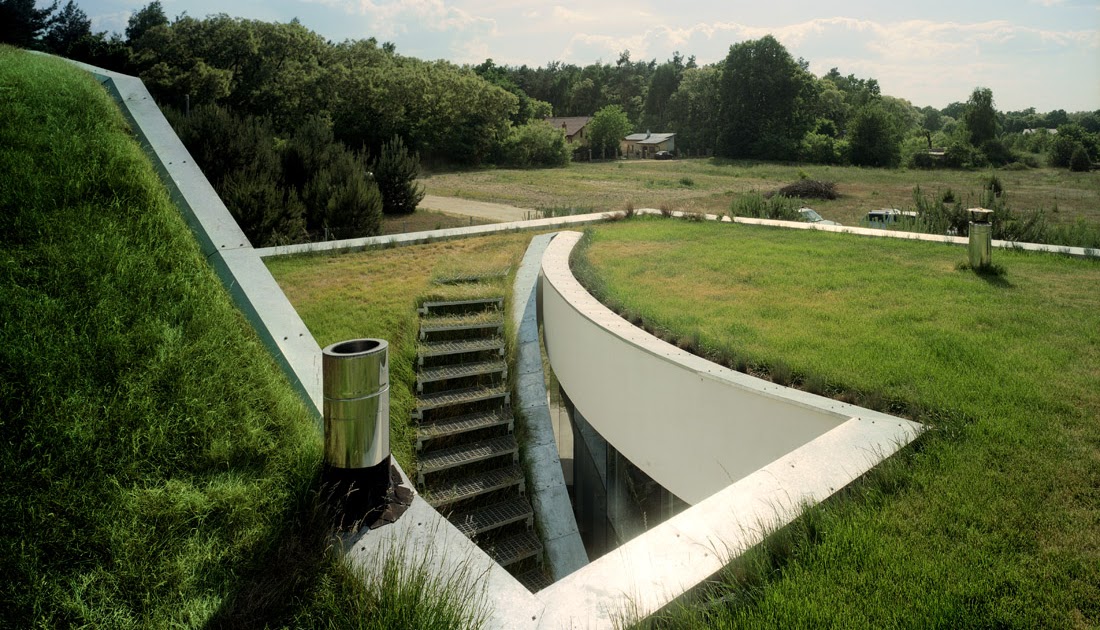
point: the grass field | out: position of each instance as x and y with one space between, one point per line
710 185
373 294
993 518
157 468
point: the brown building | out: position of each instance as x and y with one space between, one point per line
573 126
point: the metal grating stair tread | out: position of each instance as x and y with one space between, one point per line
535 580
462 346
484 303
460 370
463 278
453 397
477 485
495 516
477 321
462 424
511 550
435 461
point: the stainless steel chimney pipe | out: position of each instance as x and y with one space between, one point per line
981 238
356 387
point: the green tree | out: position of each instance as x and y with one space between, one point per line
662 85
396 171
607 129
148 17
21 24
766 100
980 117
874 139
68 29
693 109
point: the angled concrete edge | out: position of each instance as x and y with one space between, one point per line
550 499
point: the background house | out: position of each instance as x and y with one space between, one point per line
573 126
646 145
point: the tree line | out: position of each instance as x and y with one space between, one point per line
325 120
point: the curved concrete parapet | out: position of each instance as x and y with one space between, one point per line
692 425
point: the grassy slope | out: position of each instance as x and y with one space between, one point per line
157 469
994 520
710 185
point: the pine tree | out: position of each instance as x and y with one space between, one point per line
396 172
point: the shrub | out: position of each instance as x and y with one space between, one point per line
993 185
996 153
396 171
921 159
535 144
821 149
687 182
1079 161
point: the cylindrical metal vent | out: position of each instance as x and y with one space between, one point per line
356 384
981 238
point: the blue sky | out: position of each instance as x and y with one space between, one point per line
1031 53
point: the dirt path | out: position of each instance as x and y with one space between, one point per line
480 209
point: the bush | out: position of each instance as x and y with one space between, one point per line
1079 162
820 149
962 155
534 144
396 172
997 153
993 184
921 159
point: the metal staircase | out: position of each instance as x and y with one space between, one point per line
468 458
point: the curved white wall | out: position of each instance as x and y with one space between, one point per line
692 425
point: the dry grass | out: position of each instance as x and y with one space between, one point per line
650 183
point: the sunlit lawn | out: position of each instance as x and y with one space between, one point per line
994 518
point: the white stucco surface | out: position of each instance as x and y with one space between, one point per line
692 425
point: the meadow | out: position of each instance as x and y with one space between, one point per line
710 185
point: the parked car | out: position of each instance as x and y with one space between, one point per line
663 155
809 215
888 216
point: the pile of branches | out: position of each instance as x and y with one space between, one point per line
807 189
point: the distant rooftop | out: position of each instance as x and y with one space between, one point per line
649 138
571 124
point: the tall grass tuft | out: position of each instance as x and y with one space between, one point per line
757 206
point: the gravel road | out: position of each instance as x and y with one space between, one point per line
480 209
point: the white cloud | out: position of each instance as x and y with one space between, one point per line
400 16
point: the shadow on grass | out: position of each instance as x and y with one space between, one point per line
278 584
992 274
